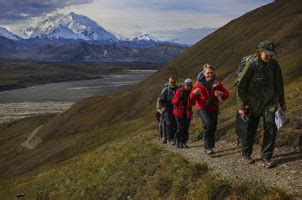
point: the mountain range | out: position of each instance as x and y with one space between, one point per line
75 37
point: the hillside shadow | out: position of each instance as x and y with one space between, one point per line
230 149
286 157
195 146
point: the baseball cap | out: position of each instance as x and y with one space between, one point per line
268 47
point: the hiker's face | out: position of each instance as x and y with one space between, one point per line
171 83
264 57
209 74
188 87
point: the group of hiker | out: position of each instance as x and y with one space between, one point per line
260 92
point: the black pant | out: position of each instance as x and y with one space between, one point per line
269 137
170 125
210 125
182 133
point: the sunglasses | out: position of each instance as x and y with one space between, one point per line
268 56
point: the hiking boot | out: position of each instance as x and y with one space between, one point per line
209 151
163 140
248 160
268 163
185 145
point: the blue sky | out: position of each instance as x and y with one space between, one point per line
130 17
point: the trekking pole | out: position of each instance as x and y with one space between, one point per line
161 125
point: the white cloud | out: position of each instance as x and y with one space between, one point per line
127 17
185 35
19 10
130 16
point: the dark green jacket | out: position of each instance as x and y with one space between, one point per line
261 86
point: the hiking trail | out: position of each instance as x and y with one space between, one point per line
227 161
33 140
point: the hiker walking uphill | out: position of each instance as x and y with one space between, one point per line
208 92
165 102
260 91
183 113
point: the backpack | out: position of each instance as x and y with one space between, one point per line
200 77
169 92
243 63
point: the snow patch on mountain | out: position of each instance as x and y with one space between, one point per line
146 37
63 32
5 33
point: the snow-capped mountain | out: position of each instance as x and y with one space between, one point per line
146 37
75 37
5 33
71 26
79 27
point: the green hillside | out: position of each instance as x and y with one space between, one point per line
103 146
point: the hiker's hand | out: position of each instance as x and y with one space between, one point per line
218 93
197 91
283 107
244 112
241 113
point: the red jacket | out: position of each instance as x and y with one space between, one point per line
178 109
204 95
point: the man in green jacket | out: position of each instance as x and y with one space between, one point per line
260 91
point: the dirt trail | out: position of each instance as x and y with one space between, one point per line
33 140
227 161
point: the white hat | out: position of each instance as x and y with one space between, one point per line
188 82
